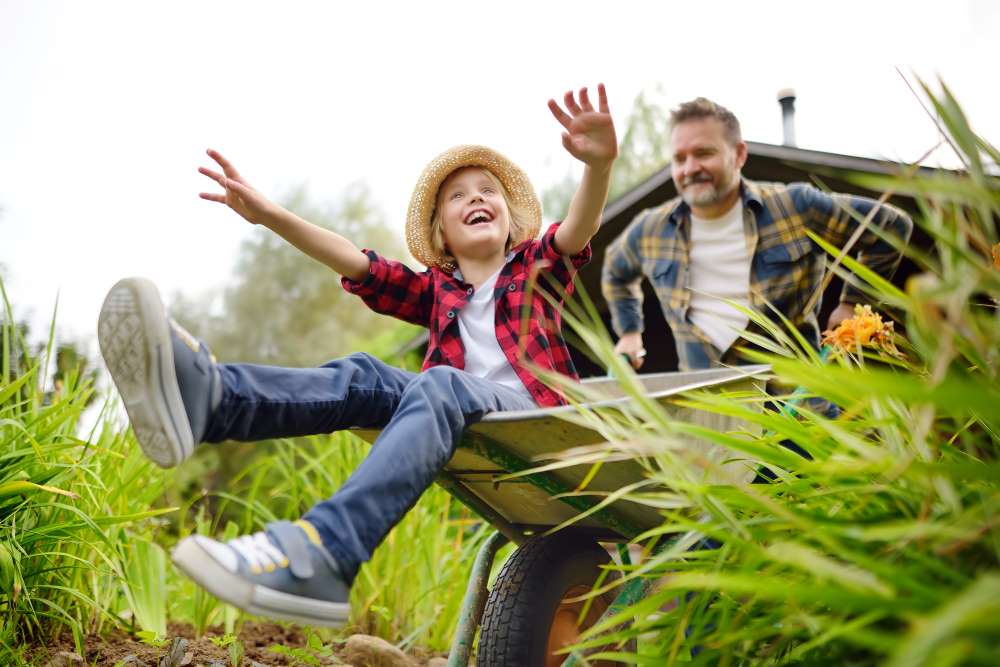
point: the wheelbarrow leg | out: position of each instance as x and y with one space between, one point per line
475 600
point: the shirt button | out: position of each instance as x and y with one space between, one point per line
451 314
511 287
469 291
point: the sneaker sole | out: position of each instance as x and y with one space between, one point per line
229 587
135 342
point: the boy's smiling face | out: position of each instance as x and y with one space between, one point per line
474 217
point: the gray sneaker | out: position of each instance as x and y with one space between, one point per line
167 379
283 572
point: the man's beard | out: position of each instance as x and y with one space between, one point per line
705 196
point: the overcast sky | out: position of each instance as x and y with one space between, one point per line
107 107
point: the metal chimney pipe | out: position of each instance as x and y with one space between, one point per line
786 98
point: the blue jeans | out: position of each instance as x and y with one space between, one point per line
422 417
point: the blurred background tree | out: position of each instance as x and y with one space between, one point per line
644 149
282 307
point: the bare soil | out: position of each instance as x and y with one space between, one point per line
121 648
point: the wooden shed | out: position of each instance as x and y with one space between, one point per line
766 162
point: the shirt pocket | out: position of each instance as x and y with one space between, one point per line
783 274
662 272
665 276
785 253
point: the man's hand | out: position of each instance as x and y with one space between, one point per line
240 196
843 311
630 345
590 135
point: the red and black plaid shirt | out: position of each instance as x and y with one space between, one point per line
434 298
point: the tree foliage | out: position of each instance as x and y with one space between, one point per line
644 150
283 307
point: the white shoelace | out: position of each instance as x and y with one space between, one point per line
259 552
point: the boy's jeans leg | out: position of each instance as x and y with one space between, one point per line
261 402
415 445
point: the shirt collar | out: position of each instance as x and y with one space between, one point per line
457 273
751 194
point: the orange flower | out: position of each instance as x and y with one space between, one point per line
865 329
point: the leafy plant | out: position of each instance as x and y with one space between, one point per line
236 653
152 638
145 584
313 655
66 503
882 547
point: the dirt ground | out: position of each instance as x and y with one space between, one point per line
119 648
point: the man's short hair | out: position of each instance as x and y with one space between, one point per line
701 107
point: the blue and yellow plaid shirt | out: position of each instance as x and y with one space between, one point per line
786 266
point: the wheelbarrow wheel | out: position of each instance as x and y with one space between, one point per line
530 613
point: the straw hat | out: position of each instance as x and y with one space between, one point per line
424 198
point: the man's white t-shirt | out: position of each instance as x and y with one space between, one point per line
477 325
720 269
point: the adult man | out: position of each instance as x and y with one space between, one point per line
726 238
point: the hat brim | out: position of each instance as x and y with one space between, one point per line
424 198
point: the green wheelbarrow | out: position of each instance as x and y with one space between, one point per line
531 611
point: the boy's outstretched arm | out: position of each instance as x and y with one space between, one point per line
590 138
321 244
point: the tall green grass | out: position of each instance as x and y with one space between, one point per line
884 548
411 591
85 525
70 507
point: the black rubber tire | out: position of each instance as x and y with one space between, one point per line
527 592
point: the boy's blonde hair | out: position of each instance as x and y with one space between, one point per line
518 219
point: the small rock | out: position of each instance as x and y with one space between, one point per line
65 659
175 654
131 660
375 652
186 660
437 662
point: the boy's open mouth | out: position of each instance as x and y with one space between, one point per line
478 216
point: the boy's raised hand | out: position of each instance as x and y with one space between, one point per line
590 135
239 196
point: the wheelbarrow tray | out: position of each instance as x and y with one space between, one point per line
513 441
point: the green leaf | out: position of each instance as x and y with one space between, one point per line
22 487
930 632
885 288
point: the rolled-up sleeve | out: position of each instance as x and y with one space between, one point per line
559 268
836 218
621 278
392 288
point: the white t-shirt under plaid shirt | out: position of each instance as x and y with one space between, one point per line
720 272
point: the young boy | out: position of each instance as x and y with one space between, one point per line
472 220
